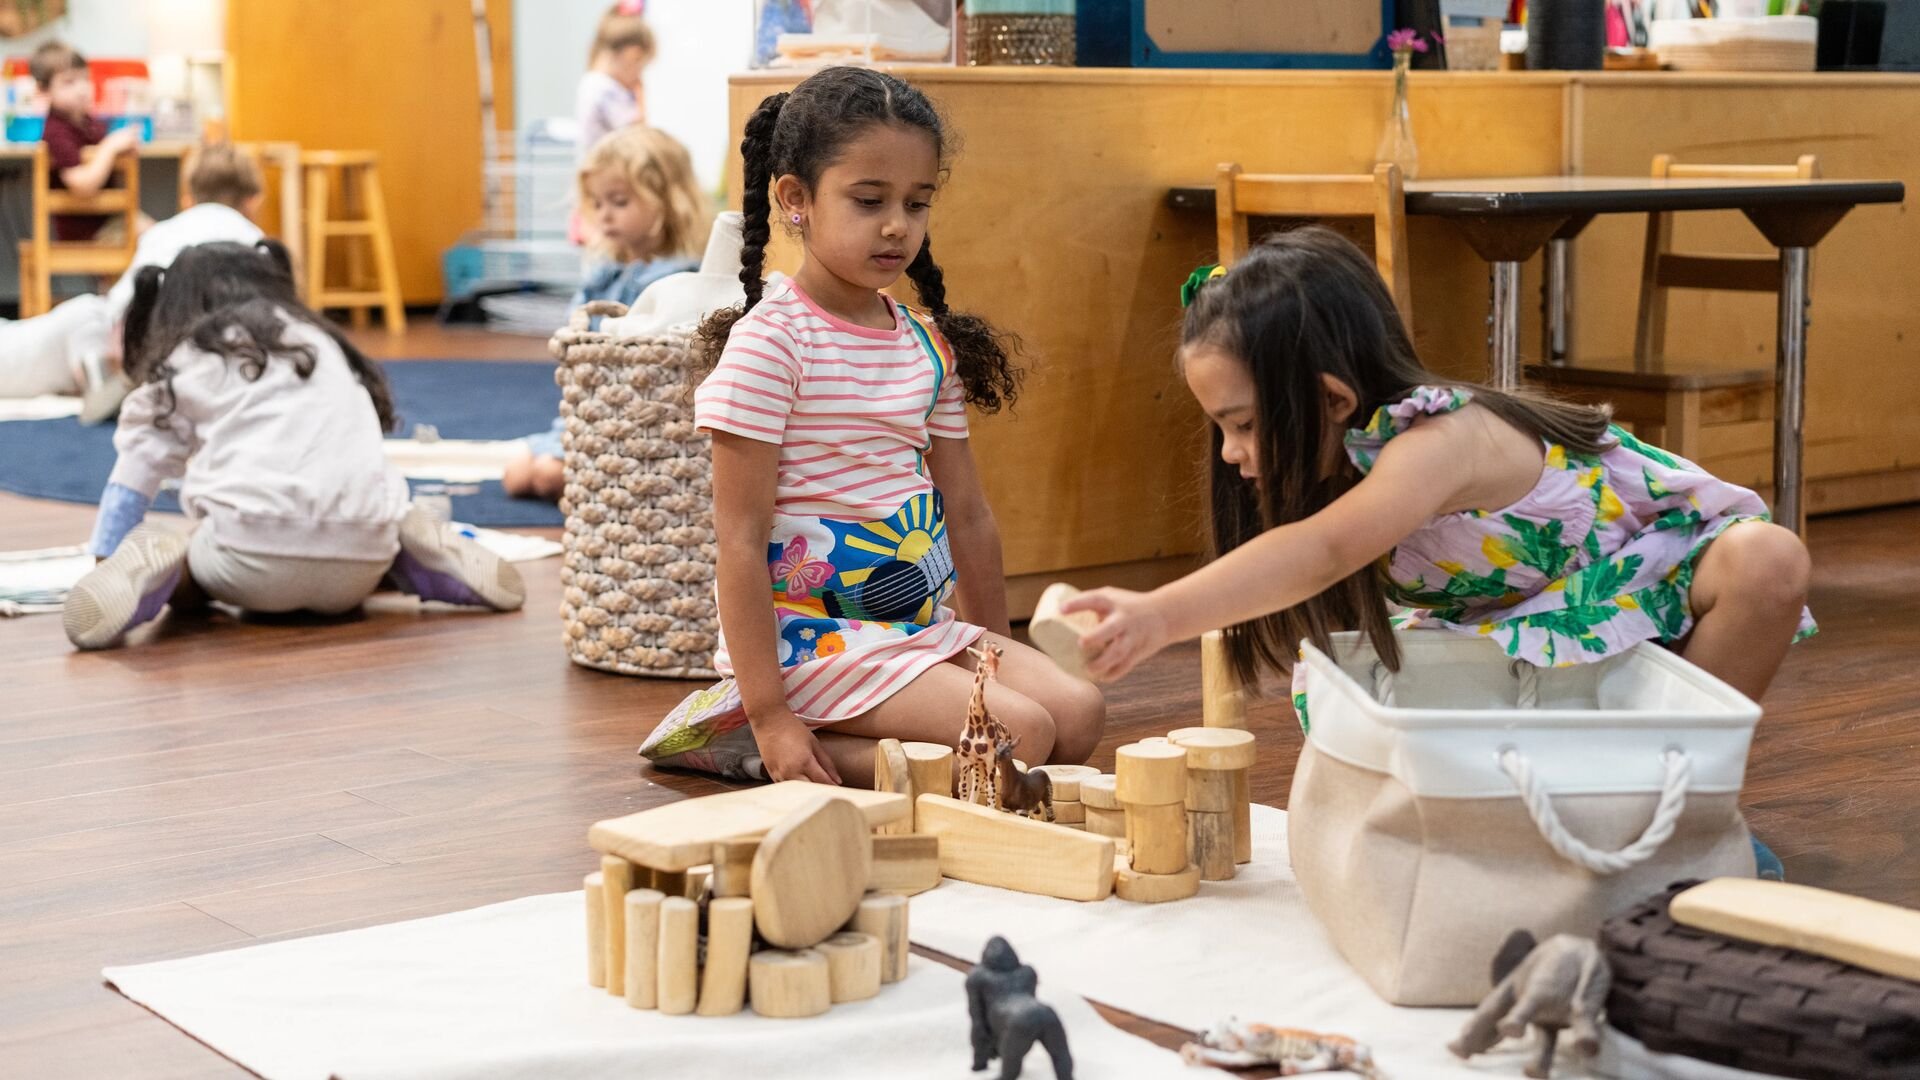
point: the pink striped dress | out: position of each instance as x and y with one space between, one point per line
858 561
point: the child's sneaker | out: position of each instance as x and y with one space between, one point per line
128 589
436 563
708 732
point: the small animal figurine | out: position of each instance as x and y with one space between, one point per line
1028 794
1007 1018
1561 983
977 782
1234 1045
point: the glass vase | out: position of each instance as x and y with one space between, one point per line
1396 140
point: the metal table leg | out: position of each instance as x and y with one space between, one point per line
1790 390
1503 344
1557 316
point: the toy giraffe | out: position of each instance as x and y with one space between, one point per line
978 782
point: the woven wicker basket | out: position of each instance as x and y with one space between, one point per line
1757 1007
639 545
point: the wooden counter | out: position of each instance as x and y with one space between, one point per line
1054 225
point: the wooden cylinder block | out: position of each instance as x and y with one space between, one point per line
596 894
1223 704
931 766
1215 748
1210 837
885 917
1158 835
1097 792
723 979
1210 790
1066 780
853 965
1106 822
1150 774
679 955
1068 812
890 773
641 966
1130 884
733 867
784 984
616 878
1242 818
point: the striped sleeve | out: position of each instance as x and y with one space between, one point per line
752 389
949 418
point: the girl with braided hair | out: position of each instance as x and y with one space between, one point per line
845 496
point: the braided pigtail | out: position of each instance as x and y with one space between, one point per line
982 356
756 204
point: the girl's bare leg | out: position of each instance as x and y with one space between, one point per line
1747 595
1078 708
933 708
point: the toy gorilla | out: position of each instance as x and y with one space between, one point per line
1007 1018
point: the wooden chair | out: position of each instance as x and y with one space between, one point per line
1380 196
1671 409
42 256
289 199
355 174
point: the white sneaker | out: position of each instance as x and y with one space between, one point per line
128 589
436 563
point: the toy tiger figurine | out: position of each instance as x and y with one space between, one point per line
1235 1045
978 782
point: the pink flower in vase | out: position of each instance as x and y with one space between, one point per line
1406 40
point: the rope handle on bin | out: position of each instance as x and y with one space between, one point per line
1666 815
582 316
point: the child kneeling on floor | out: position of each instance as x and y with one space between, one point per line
273 421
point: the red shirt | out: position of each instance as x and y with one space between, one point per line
66 142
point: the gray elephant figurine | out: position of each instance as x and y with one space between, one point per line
1562 983
1007 1018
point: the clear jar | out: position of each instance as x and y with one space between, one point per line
1020 32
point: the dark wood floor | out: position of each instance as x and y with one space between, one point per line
218 783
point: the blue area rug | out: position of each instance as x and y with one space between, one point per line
463 399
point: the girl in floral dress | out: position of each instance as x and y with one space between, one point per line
1347 477
846 502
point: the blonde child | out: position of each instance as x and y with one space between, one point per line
845 496
272 421
638 189
1347 476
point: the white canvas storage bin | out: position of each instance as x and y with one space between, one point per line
1423 832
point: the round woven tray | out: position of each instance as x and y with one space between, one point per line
637 577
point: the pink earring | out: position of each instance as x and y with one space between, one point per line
796 219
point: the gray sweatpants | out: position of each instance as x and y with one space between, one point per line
280 583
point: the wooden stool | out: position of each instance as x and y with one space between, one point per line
1674 410
362 225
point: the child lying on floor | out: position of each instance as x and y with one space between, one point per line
274 422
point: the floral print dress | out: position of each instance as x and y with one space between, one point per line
1598 557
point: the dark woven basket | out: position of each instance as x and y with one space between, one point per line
1756 1007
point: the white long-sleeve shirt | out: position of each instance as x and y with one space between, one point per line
201 223
276 465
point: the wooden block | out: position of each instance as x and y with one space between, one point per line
1066 780
884 915
1131 884
891 773
698 879
989 847
1058 635
1215 748
679 955
733 867
1851 929
1242 818
1223 704
1150 774
641 965
904 864
1097 792
1069 812
810 872
932 767
785 984
1158 835
596 895
1106 822
1210 790
723 979
853 965
681 835
1210 840
616 877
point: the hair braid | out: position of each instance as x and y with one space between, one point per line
981 354
756 228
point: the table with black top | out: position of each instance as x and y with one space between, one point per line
1507 220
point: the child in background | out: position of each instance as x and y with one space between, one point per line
274 420
611 95
1347 475
639 190
846 501
76 346
61 73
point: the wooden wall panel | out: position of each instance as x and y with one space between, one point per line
395 77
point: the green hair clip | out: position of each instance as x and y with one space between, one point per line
1198 278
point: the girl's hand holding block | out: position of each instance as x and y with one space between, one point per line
1058 634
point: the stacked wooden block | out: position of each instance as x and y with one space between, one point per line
1067 807
1150 778
799 903
1217 762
